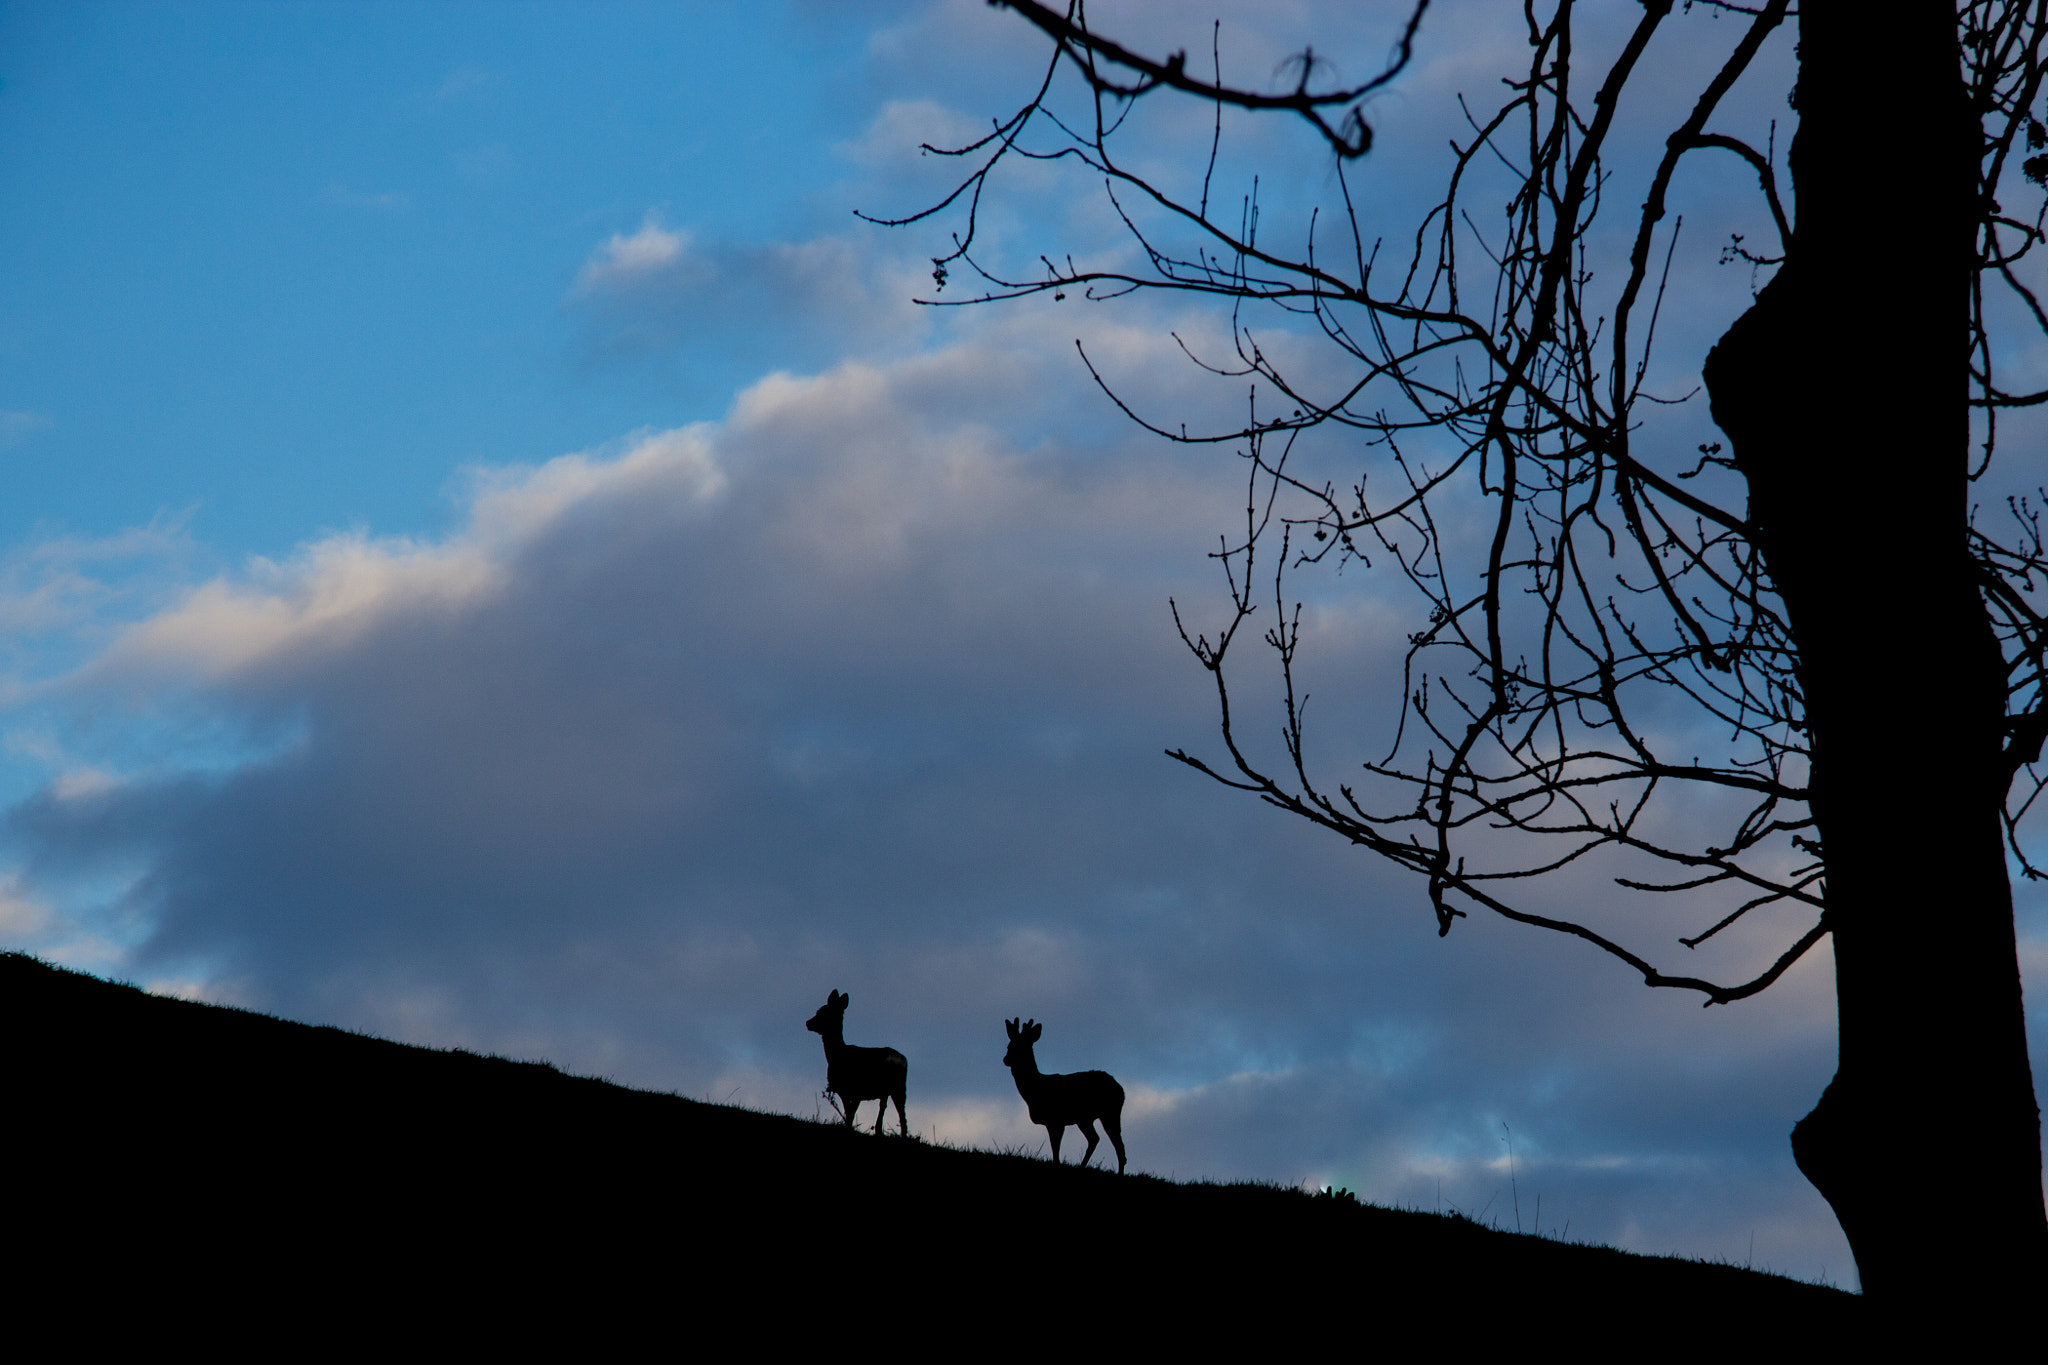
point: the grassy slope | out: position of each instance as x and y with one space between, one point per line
168 1142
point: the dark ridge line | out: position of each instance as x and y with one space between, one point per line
331 1140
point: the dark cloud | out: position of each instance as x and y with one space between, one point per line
847 693
658 292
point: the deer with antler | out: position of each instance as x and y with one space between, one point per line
1058 1101
857 1074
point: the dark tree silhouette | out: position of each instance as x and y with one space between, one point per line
1793 682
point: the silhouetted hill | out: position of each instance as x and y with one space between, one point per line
197 1155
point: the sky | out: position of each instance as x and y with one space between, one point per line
493 554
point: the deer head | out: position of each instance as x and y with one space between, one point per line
1023 1037
831 1016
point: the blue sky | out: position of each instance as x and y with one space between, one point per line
310 257
495 557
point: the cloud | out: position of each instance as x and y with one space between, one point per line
341 195
486 161
29 923
899 132
857 689
463 84
625 262
19 426
660 291
21 917
62 598
348 584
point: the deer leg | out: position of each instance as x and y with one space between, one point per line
1058 1131
1115 1129
1088 1131
850 1105
902 1120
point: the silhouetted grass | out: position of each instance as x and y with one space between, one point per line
206 1151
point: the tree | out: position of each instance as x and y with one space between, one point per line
1819 585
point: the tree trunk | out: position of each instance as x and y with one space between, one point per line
1844 394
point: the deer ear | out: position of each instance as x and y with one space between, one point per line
1011 1026
837 999
1033 1031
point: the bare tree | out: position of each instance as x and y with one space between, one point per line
1819 594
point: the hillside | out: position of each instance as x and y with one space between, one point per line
164 1142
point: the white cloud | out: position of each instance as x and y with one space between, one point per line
17 426
897 134
30 922
624 262
22 917
343 196
79 784
513 504
333 588
343 585
63 597
749 305
464 83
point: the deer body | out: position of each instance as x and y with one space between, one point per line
857 1074
1057 1102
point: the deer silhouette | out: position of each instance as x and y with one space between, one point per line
1057 1101
855 1074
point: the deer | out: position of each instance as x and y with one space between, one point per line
856 1074
1056 1101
